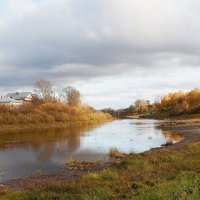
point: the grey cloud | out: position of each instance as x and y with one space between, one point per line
85 39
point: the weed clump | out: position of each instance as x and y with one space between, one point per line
116 154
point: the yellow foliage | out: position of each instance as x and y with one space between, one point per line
180 102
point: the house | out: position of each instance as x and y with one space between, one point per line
10 102
16 98
24 96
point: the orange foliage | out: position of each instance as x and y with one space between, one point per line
180 103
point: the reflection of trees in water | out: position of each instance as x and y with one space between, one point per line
45 143
173 137
45 152
60 148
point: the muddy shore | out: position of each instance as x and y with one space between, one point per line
190 130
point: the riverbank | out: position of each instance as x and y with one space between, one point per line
13 128
167 116
47 114
170 174
135 176
189 129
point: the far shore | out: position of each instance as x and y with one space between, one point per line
159 116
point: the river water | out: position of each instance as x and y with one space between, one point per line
29 153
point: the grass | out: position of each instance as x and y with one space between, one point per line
86 165
157 175
114 153
47 114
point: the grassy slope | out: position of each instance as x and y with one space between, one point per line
47 114
166 175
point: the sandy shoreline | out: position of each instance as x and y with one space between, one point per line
189 130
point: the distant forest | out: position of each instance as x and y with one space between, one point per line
173 104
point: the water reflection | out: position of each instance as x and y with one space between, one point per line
44 142
173 138
25 152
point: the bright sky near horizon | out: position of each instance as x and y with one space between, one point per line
113 51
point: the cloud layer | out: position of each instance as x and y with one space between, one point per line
73 40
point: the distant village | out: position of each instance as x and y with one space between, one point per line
16 98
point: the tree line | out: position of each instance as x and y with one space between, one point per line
172 104
180 103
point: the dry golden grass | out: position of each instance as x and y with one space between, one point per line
48 113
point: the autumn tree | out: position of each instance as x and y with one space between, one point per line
44 90
141 105
180 102
72 96
193 98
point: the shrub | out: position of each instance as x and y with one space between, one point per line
48 112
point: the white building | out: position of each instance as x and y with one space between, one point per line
17 98
10 102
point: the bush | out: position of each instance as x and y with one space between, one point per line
48 112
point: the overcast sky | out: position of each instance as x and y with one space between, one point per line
113 51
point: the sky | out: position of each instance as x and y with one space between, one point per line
113 51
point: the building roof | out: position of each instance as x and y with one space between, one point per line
17 95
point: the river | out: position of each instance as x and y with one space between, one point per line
29 153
